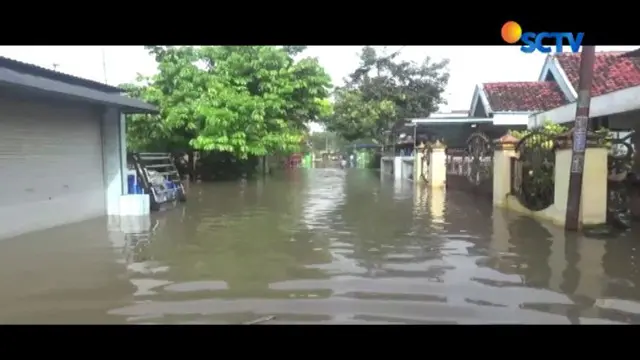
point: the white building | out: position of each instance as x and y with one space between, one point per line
498 107
615 92
62 147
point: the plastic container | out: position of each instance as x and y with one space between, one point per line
131 184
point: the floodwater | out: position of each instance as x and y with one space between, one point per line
319 246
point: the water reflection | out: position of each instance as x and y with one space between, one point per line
67 274
320 246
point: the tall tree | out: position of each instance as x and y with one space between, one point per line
384 90
244 100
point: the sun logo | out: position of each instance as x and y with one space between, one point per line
511 32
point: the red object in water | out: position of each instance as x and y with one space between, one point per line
294 160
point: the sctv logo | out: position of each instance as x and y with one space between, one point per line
512 33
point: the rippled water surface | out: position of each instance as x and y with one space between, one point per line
319 246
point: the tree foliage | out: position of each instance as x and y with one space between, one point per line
384 90
244 100
547 127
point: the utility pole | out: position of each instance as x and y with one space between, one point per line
587 59
55 66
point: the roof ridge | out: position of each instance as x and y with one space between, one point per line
524 96
522 82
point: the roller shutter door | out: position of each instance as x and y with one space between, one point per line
50 165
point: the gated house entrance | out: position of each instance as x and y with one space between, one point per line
533 170
471 168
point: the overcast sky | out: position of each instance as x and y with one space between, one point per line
469 65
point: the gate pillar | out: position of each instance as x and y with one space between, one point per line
397 168
504 151
437 174
593 203
418 164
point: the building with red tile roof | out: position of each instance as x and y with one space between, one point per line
554 94
615 90
499 106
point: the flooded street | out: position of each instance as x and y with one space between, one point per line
319 246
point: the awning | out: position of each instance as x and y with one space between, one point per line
46 86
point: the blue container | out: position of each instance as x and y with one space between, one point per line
133 185
131 182
173 187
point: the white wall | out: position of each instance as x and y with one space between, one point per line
612 103
561 115
114 159
509 118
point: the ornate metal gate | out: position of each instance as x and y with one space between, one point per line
620 187
472 167
480 150
533 171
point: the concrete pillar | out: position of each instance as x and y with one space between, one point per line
112 162
397 167
123 151
437 176
418 164
505 150
593 205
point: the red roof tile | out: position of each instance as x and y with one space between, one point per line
612 71
524 96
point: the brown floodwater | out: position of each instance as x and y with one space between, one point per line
319 246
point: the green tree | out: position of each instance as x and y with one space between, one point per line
384 90
144 131
243 100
